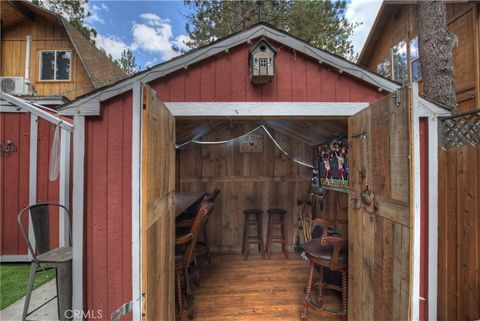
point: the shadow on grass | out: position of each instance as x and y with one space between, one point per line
14 279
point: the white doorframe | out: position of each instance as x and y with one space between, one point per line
137 102
424 108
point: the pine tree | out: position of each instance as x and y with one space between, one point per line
322 23
72 10
127 62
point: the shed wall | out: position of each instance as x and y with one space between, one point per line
109 147
225 77
14 180
108 207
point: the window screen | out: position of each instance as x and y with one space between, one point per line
399 58
415 60
55 65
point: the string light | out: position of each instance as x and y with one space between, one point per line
194 141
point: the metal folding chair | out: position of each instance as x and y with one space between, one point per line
45 257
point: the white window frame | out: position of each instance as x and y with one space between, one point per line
411 61
40 63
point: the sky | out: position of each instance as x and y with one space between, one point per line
151 28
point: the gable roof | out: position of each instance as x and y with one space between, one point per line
386 10
101 70
89 104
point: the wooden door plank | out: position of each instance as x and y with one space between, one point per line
158 218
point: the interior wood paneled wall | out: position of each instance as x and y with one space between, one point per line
46 35
458 234
260 180
379 240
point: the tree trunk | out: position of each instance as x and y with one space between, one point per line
436 46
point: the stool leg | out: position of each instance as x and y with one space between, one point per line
31 279
284 236
269 237
260 235
244 241
178 284
247 249
309 292
64 289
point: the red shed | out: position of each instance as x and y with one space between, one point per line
126 170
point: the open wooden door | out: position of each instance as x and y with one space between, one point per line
380 213
158 217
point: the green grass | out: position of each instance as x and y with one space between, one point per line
14 279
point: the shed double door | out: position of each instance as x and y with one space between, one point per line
157 202
379 210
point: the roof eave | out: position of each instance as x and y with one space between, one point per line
90 104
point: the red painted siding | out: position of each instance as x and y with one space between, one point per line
14 180
108 149
225 77
108 193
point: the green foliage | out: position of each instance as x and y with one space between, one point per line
72 10
127 62
322 23
14 279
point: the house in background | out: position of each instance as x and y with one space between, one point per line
391 48
46 59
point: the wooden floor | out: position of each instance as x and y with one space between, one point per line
268 290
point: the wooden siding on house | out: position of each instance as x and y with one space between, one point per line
108 207
14 180
462 19
46 35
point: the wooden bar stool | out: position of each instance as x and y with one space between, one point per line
277 216
253 218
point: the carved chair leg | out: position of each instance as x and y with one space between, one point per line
309 292
321 286
178 284
345 293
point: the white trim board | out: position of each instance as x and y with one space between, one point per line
90 104
32 174
264 109
36 111
136 200
78 214
424 108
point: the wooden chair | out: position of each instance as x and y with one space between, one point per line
184 254
44 256
327 251
202 247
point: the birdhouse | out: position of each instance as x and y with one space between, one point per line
262 63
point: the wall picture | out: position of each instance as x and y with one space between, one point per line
251 144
